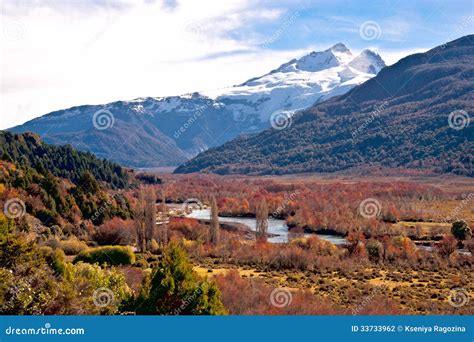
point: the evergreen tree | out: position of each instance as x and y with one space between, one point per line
173 288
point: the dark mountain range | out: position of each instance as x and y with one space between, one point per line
166 131
413 114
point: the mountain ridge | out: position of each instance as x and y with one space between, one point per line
404 113
166 131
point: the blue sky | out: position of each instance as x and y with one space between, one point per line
57 54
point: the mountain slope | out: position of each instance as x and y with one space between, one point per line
400 118
166 131
28 151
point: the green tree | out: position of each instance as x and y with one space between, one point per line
173 288
374 250
461 230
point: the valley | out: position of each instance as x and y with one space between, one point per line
357 203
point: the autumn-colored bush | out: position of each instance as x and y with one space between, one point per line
115 232
447 246
71 246
190 229
254 297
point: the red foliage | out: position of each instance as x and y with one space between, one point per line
254 297
115 232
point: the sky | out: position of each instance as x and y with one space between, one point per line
59 54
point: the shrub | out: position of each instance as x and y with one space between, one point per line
72 246
374 250
461 230
447 246
114 232
111 255
56 259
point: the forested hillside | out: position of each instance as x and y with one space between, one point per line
413 114
27 149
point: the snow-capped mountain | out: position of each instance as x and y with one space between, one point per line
164 131
299 83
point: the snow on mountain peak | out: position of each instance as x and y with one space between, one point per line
339 47
299 83
368 61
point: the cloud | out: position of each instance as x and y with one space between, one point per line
57 54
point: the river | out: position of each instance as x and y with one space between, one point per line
280 229
275 227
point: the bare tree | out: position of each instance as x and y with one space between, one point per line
140 221
261 213
214 224
145 217
163 233
150 214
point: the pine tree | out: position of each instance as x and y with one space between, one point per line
173 288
